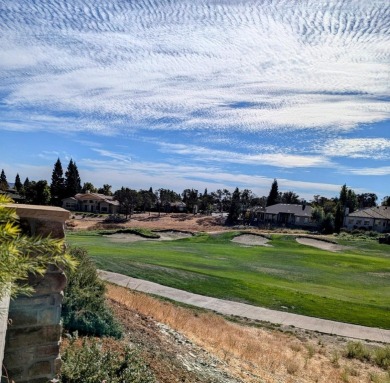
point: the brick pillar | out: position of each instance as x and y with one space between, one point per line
34 330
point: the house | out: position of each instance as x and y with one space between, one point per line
289 215
92 203
14 195
373 218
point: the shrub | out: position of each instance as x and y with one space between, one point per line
382 357
93 361
84 308
357 350
21 255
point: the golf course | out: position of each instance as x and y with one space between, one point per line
349 285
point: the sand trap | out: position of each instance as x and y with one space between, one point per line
320 244
164 236
251 240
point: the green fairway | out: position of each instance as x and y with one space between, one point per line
349 286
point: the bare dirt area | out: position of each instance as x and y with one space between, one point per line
251 240
181 344
178 221
323 245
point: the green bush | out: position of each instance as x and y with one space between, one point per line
382 357
84 308
357 350
92 361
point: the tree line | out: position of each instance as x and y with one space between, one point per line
327 211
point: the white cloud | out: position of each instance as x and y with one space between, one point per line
281 160
184 65
378 171
376 148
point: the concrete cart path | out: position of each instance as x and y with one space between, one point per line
247 311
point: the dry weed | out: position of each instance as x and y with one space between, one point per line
269 355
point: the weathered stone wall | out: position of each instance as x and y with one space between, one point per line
34 331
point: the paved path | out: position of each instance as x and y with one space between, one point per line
247 311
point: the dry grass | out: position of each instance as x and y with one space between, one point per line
253 353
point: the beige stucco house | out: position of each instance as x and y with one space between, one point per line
92 203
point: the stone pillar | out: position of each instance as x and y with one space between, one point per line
34 330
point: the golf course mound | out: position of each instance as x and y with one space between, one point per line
251 240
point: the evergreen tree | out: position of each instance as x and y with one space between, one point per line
57 187
273 197
3 181
235 208
18 183
338 218
72 180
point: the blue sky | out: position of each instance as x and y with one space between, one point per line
214 94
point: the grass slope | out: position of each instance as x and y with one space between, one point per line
350 286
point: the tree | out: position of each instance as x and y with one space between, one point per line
290 197
57 186
273 197
128 199
366 200
37 193
88 188
190 198
146 199
318 215
18 183
72 180
106 190
235 208
3 181
328 224
386 201
338 218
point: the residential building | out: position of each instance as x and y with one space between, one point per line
91 202
373 218
289 215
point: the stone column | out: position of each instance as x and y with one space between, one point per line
34 330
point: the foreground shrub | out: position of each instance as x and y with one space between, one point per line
84 308
357 350
93 361
382 357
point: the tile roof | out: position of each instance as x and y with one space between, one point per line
298 210
378 212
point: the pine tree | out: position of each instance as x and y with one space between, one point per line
235 207
57 187
3 181
18 183
72 180
273 194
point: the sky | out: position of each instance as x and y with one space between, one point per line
198 94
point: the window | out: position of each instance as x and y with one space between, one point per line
350 221
103 209
306 220
358 222
90 201
366 223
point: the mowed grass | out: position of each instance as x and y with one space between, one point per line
350 286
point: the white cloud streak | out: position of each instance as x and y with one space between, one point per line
184 65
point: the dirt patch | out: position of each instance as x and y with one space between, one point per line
180 222
323 245
251 240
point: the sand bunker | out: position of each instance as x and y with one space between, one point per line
320 244
164 236
251 240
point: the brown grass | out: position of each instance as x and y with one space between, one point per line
252 353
